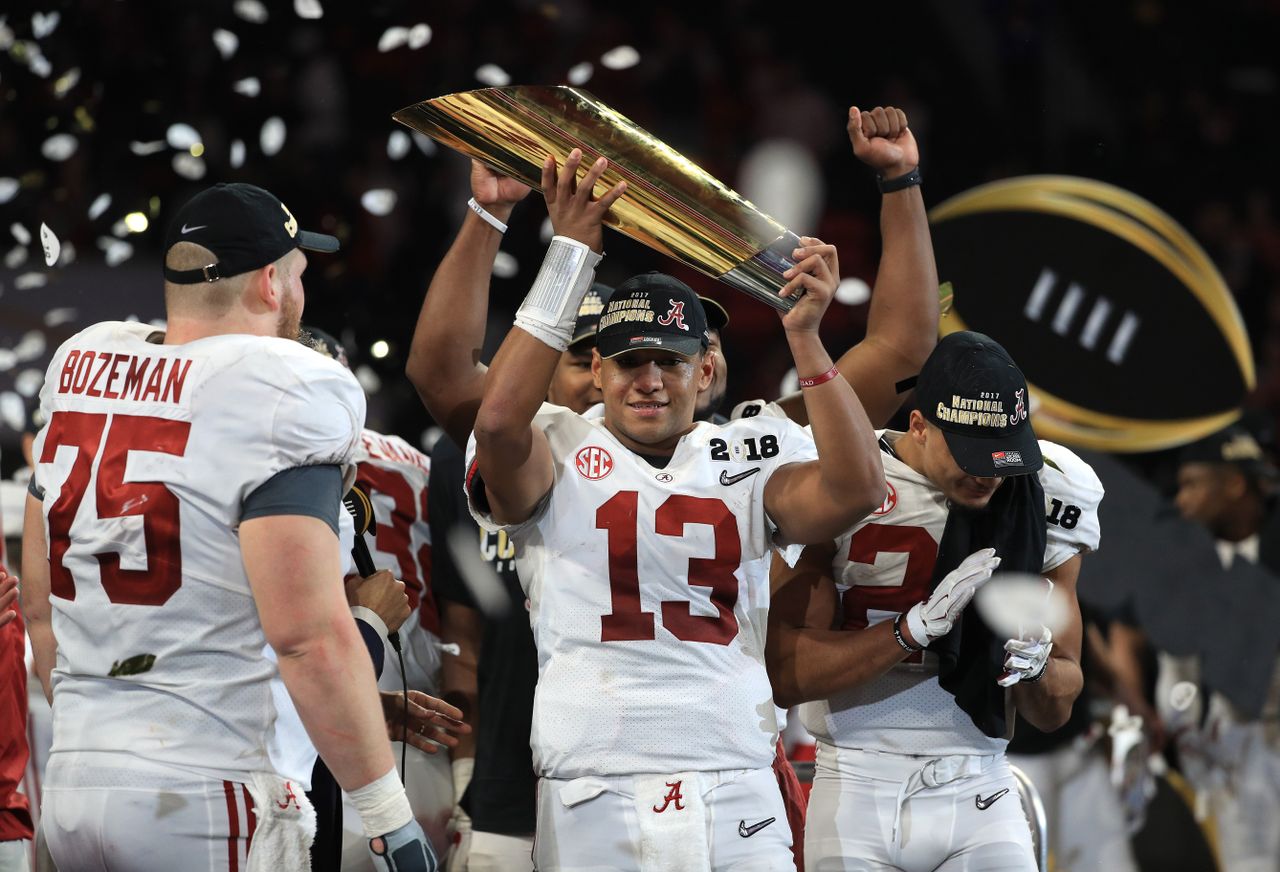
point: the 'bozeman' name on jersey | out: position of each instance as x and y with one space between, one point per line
885 564
648 591
145 463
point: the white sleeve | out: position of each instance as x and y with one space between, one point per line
1072 493
756 408
318 419
550 419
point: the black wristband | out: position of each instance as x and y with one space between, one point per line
888 186
902 640
1032 679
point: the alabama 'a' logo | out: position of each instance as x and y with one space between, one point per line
593 463
290 798
675 313
673 797
890 500
1020 407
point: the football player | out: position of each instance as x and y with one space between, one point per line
654 607
183 575
905 689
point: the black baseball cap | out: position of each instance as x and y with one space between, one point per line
652 310
1233 445
973 392
589 311
717 316
244 226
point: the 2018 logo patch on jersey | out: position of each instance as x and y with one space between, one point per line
593 463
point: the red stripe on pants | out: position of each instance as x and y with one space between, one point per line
253 820
233 819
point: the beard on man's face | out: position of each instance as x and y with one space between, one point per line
290 324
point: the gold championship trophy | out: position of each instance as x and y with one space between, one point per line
672 205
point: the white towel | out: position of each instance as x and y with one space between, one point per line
673 823
286 825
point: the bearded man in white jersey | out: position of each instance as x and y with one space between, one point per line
183 518
907 692
641 537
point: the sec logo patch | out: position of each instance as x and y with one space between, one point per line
890 500
593 463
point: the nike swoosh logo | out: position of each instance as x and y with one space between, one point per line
748 831
186 229
984 804
726 479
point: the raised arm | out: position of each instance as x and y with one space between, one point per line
513 456
817 501
902 325
444 358
36 610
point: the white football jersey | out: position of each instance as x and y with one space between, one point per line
147 457
884 565
648 591
757 408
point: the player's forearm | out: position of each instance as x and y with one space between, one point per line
459 673
444 357
807 664
514 391
851 480
1046 704
331 682
44 652
903 317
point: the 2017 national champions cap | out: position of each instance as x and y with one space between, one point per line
244 226
652 310
589 312
1233 445
973 392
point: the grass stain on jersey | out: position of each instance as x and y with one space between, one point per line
135 665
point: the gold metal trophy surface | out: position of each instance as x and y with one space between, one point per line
671 205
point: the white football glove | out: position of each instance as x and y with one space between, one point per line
1026 659
934 617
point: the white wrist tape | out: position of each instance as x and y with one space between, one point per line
382 805
915 623
487 216
550 308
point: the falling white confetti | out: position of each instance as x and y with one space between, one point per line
250 87
419 35
99 205
237 153
392 38
15 257
250 10
6 35
37 62
31 345
142 149
59 147
115 251
159 323
28 382
68 255
620 58
271 138
493 75
790 383
8 187
227 43
188 165
853 292
13 410
505 266
43 23
425 143
29 280
8 360
368 379
429 437
52 247
580 74
20 233
120 228
181 136
309 9
397 144
61 315
379 201
547 231
66 82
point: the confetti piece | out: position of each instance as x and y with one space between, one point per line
52 247
271 137
580 74
31 345
493 75
44 23
505 265
419 35
29 280
397 144
20 233
620 58
368 379
142 149
99 205
61 315
853 292
15 257
249 87
8 360
66 82
115 251
379 201
28 382
6 35
13 410
547 230
237 154
38 63
425 143
188 166
68 254
392 38
308 9
181 136
59 147
8 188
227 43
250 10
